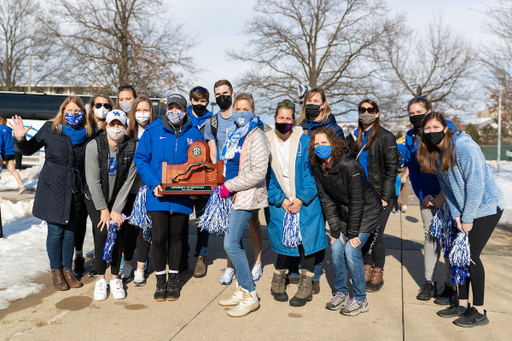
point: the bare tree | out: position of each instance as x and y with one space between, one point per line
437 63
119 42
322 43
20 35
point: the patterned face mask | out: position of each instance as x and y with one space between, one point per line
74 119
175 117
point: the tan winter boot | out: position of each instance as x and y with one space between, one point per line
367 272
304 293
278 287
248 304
235 299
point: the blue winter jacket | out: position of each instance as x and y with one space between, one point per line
330 123
469 186
159 143
312 223
6 140
422 183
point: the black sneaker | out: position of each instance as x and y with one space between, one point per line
79 270
92 271
448 296
455 310
428 291
161 288
472 318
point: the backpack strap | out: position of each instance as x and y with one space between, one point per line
214 123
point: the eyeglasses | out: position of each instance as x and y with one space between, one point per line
419 97
199 88
125 87
106 105
370 110
284 104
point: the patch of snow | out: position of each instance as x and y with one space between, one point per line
504 180
29 176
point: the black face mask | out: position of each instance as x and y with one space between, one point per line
435 138
224 102
312 111
416 120
199 109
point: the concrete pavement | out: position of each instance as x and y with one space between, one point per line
394 314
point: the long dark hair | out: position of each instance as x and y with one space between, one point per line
425 103
133 125
428 153
374 133
338 146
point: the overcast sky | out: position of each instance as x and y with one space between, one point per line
218 24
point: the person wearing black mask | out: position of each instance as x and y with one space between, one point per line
198 115
427 189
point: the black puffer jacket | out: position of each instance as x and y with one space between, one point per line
59 195
382 163
349 202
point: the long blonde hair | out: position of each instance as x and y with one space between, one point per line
59 119
326 111
133 126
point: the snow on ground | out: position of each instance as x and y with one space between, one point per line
12 212
29 177
504 180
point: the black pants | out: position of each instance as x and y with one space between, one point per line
376 254
396 205
100 237
81 228
166 232
478 237
308 262
202 236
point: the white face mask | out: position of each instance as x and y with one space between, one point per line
101 113
116 134
126 106
175 117
142 117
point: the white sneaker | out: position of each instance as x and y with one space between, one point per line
235 299
227 276
404 209
257 272
117 289
22 190
248 304
126 274
100 290
139 279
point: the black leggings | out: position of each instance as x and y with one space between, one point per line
81 228
100 237
131 232
308 262
377 254
478 237
166 232
396 205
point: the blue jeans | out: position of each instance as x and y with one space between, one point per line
238 221
60 244
344 255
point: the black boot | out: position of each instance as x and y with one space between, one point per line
173 291
79 270
161 288
92 270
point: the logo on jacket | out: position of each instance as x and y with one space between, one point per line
189 141
162 137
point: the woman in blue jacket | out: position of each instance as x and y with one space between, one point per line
166 140
292 189
427 189
474 200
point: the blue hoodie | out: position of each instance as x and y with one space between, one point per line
198 122
469 186
330 123
423 184
159 143
6 140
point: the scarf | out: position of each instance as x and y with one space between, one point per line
77 135
235 135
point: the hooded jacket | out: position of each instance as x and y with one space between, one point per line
330 123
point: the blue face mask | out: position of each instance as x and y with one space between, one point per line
74 119
323 152
242 118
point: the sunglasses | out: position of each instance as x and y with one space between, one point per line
284 104
370 110
125 87
199 88
106 105
419 97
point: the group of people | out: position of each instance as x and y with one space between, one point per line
316 186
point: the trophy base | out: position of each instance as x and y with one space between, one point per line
169 189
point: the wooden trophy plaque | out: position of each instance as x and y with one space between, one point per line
196 177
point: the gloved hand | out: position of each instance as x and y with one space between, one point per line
223 191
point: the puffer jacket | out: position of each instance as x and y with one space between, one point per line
250 185
349 202
382 162
59 195
330 122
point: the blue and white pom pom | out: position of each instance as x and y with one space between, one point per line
460 258
111 239
215 218
140 216
443 228
291 230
